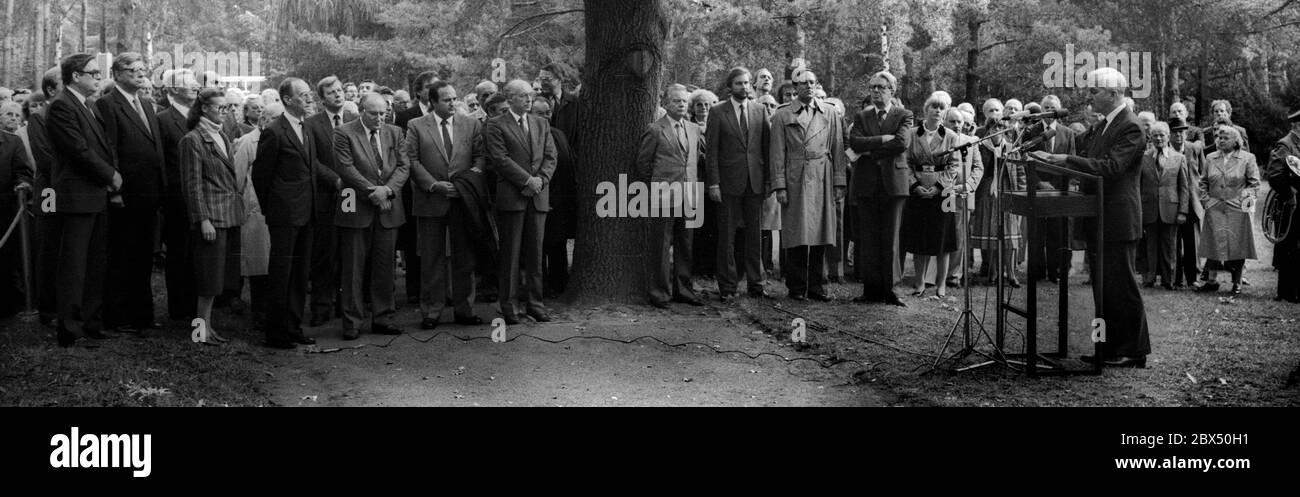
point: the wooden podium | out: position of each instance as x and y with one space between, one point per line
1034 204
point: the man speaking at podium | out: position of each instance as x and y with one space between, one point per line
1112 149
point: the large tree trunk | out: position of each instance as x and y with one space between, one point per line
38 42
9 42
85 26
125 16
619 96
973 62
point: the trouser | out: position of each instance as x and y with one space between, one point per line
1233 267
670 276
1121 305
83 256
290 260
876 226
129 296
325 265
434 233
1050 248
182 298
738 209
555 259
49 232
1162 252
807 272
12 284
1189 234
367 258
1286 256
521 252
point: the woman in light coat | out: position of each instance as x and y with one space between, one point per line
1227 189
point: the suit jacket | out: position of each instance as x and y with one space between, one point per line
284 175
663 158
211 186
1166 186
1116 156
172 125
235 129
43 158
356 162
564 116
972 168
732 163
138 146
515 158
83 157
322 138
14 170
424 150
1194 152
404 118
882 168
1063 143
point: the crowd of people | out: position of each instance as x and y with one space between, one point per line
313 195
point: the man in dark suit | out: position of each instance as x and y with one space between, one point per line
880 134
562 221
136 138
522 153
439 146
406 235
1052 229
15 175
1283 176
284 178
84 175
367 155
669 155
1166 186
1114 152
325 242
182 295
48 226
736 137
1189 233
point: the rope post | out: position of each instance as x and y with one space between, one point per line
25 232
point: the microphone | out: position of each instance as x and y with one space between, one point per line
1047 135
1053 114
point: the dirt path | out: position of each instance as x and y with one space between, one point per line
447 371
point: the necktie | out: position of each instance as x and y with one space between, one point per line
1101 125
374 142
681 136
881 115
140 110
744 125
528 139
336 121
523 126
446 137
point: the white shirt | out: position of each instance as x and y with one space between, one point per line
517 118
424 109
296 124
740 109
1110 118
184 110
451 127
332 115
379 149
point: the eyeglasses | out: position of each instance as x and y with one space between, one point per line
227 107
376 114
95 74
879 87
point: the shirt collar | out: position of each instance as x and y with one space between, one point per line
185 110
738 103
424 109
1110 118
516 117
295 121
888 107
437 119
129 97
80 98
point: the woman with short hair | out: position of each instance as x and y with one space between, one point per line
928 232
1227 189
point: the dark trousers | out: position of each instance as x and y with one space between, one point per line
555 260
49 231
1121 305
434 234
325 265
875 223
737 209
1189 234
1162 252
1049 246
807 272
83 255
259 299
1286 256
290 260
521 252
670 277
129 296
182 297
12 284
367 258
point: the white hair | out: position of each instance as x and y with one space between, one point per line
942 98
1108 77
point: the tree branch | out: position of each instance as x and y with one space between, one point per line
1258 31
1003 42
509 33
1280 7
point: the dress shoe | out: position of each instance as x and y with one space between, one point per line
385 329
100 335
539 316
1167 286
1149 284
1087 358
759 294
127 329
281 344
798 297
510 319
659 303
428 323
1127 362
302 339
862 299
351 334
1236 289
1212 286
894 300
820 297
688 300
469 320
66 338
